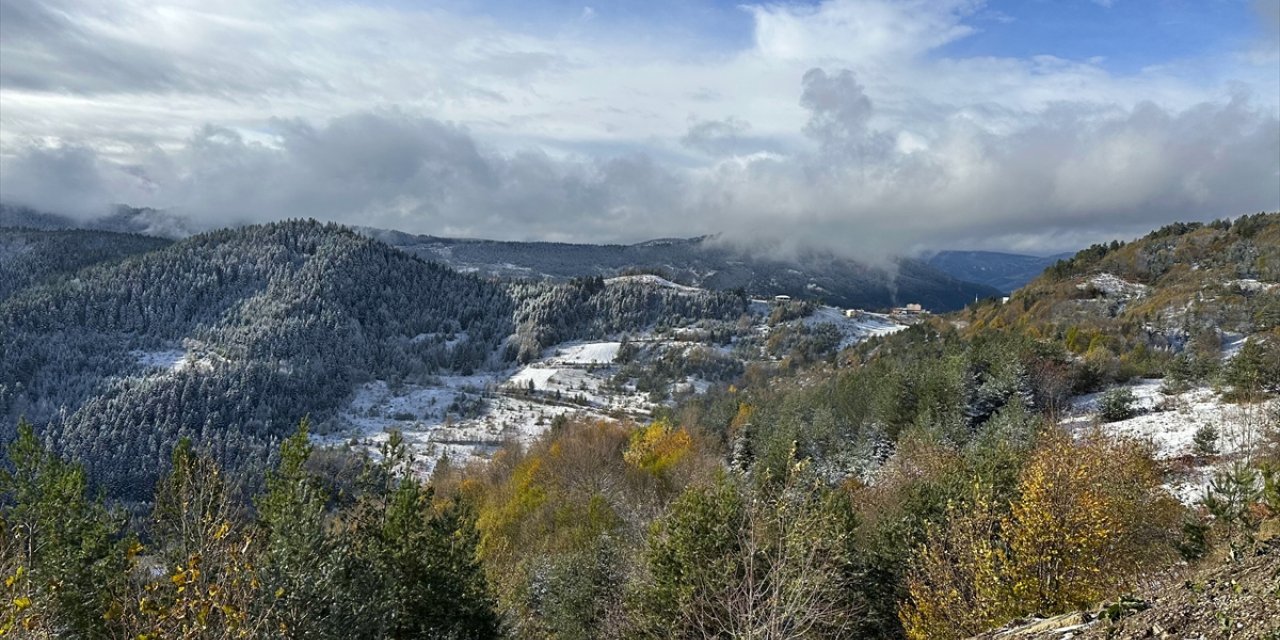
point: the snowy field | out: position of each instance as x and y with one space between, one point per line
657 281
585 353
1170 422
1250 284
856 329
167 360
466 417
172 360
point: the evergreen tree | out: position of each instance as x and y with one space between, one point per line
424 576
301 563
63 555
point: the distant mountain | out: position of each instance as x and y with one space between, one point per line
702 262
1179 283
229 337
1003 271
18 216
123 219
29 255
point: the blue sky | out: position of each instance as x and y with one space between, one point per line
864 126
1127 34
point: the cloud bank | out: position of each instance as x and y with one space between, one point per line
842 126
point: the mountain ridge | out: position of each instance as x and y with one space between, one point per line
700 262
1004 271
259 325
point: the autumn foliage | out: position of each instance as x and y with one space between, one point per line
1089 517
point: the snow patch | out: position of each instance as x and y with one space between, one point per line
1170 423
1232 343
1249 284
650 279
854 328
539 376
168 360
586 353
1146 395
1114 286
173 360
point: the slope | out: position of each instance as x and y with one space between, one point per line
29 256
1185 285
230 336
704 262
1004 271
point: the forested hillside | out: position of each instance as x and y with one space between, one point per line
938 481
228 337
706 262
29 256
121 219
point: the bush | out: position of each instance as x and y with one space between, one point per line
1116 404
1206 440
1230 499
1256 369
1080 506
734 560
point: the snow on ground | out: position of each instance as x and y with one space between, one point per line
173 360
168 359
569 379
1146 393
586 353
539 376
855 329
1170 423
1232 343
1114 286
1190 485
1249 284
449 343
377 405
647 278
565 382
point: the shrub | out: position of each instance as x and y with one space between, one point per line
1090 516
1116 404
1206 440
959 580
730 560
1230 499
1256 368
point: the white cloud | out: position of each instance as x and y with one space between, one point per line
840 125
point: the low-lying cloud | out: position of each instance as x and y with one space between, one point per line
855 189
869 150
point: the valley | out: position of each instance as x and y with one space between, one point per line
694 320
470 417
569 441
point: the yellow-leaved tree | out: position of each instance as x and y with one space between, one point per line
1089 517
959 582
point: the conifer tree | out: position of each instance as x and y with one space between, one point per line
63 555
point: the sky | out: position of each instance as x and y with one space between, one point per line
866 127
